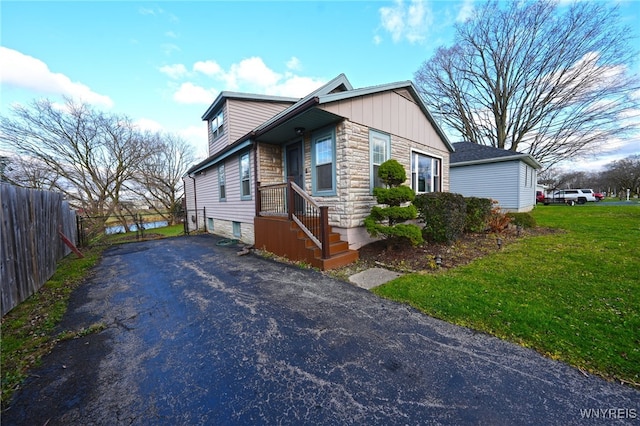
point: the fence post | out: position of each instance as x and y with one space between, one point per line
324 231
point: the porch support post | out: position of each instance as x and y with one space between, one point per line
290 198
258 199
324 231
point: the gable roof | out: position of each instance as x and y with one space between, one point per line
340 84
303 114
336 90
224 95
469 153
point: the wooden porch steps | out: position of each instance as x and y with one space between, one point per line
285 238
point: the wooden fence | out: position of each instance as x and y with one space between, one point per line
31 246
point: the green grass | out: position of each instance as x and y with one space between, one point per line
573 296
27 331
169 231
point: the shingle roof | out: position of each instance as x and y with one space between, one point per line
467 153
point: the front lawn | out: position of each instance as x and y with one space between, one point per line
573 296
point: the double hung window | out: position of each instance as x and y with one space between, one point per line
217 125
222 183
380 148
245 177
324 163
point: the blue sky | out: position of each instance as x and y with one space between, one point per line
162 63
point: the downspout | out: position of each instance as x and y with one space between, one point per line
195 199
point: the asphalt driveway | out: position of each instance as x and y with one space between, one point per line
198 335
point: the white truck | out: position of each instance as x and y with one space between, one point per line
570 196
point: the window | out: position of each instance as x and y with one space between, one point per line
217 125
380 148
222 183
245 177
425 173
210 224
237 230
324 164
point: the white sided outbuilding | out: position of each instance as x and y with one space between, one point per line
506 176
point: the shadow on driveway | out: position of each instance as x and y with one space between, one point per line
198 335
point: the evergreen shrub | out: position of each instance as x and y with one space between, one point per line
444 215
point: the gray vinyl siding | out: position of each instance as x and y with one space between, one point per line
498 181
505 182
527 187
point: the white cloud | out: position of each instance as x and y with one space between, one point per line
27 72
148 124
294 64
296 86
465 11
189 93
210 68
169 48
174 71
406 22
254 72
146 11
197 137
250 75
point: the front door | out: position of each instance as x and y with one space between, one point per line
295 169
295 163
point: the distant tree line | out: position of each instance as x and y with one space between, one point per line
615 179
102 162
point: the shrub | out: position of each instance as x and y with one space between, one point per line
392 173
478 213
524 220
444 215
388 221
498 221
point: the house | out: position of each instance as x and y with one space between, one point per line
506 176
295 176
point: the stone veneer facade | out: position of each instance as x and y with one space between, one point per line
353 199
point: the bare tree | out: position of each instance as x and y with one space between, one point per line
625 174
159 180
92 153
30 173
531 78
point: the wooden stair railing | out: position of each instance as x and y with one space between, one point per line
299 207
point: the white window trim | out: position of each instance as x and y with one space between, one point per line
381 135
222 171
217 124
315 137
245 196
427 154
